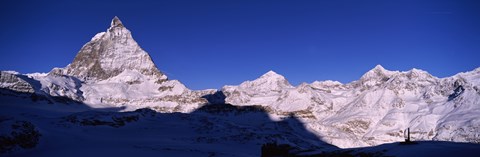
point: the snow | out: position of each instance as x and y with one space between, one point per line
262 91
108 54
374 110
199 133
131 89
84 131
327 83
11 72
112 70
98 36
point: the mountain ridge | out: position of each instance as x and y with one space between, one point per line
112 71
378 103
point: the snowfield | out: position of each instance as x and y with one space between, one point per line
212 130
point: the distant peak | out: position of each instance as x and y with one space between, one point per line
271 74
116 22
379 67
415 73
268 81
377 72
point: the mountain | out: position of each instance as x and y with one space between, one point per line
109 54
375 109
111 70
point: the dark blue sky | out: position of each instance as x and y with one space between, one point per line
208 44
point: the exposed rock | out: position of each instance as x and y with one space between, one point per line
109 54
13 82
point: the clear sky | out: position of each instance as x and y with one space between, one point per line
208 44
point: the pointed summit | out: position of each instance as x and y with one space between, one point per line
268 82
377 73
110 53
271 74
379 67
116 22
273 79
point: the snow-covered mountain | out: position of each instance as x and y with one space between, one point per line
377 108
113 72
110 54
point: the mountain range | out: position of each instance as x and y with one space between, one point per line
113 72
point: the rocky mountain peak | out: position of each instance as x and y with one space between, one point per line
379 67
116 22
377 73
117 32
376 76
110 53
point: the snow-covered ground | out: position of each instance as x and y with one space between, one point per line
214 130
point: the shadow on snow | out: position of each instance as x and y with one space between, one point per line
243 128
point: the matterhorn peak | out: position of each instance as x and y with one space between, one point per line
109 54
116 22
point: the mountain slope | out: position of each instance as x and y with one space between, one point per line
109 54
377 108
211 130
112 70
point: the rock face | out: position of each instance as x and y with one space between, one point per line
110 53
377 108
12 82
111 70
